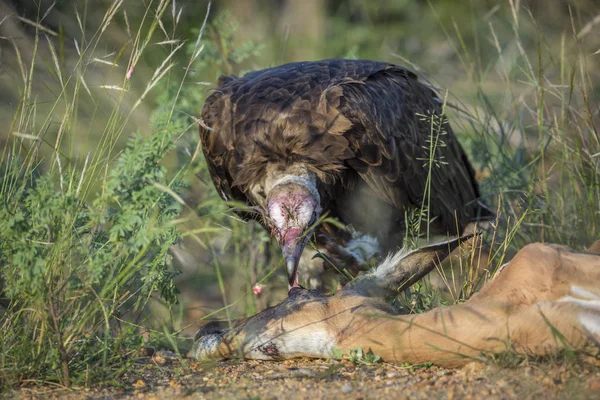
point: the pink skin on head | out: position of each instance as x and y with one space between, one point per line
292 209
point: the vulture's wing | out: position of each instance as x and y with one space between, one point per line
218 146
405 149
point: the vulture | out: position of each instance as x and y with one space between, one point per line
360 141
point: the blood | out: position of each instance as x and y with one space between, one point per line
270 350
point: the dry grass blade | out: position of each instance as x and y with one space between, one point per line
57 68
37 26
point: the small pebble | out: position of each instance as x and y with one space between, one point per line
347 388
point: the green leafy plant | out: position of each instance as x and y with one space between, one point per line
73 270
356 356
84 243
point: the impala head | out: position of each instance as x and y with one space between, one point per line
293 206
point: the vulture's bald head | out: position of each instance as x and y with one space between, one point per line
293 206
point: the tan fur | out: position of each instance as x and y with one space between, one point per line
537 294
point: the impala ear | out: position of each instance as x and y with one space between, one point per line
401 270
415 265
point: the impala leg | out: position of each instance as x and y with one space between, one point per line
546 327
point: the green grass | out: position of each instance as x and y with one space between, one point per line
101 171
84 245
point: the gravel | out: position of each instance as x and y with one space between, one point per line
164 377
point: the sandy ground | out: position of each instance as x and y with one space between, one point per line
160 377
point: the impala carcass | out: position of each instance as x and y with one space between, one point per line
547 297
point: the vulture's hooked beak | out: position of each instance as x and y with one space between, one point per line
291 264
292 243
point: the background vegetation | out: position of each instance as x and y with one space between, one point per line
111 234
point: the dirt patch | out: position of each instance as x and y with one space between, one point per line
165 378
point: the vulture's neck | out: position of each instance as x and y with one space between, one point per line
309 182
296 173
